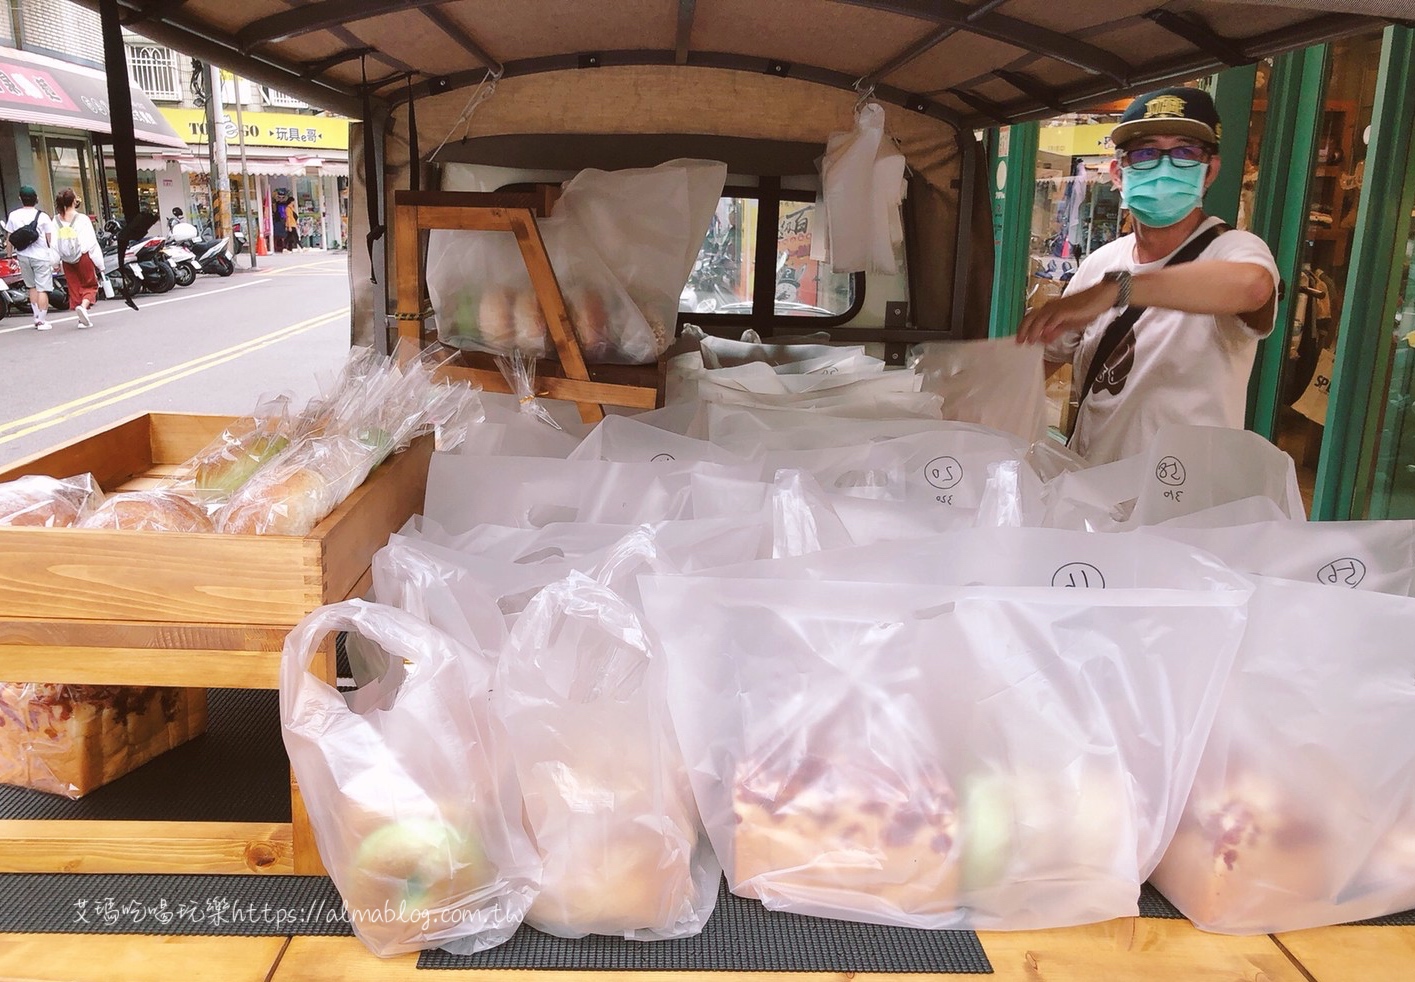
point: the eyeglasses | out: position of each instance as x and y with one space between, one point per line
1148 158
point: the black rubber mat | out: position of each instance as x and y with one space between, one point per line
235 772
127 903
1154 904
742 936
1405 918
341 655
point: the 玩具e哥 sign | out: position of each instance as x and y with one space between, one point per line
266 129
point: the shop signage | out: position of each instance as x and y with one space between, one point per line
48 92
266 129
1089 140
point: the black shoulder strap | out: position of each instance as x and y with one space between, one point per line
1126 319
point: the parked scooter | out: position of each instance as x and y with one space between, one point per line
145 267
183 262
14 295
212 255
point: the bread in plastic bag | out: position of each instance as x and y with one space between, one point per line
1067 718
484 300
1303 809
241 449
411 798
647 225
158 510
39 501
579 688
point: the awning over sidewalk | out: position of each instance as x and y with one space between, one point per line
48 92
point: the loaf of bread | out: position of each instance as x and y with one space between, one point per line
71 739
292 495
825 832
1243 853
496 319
46 502
616 842
149 511
531 331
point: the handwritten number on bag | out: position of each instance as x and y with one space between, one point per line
944 473
1082 576
1347 572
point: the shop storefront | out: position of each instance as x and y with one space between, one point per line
287 157
53 121
1317 160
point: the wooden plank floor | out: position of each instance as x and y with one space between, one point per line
1139 949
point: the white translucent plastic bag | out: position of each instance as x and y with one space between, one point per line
944 467
647 225
1303 810
528 492
996 727
1186 469
997 383
862 183
1377 556
628 440
806 519
40 501
726 353
749 430
414 807
484 301
580 691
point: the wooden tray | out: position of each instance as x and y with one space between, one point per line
87 606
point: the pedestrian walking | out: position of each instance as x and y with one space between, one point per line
292 227
79 253
31 242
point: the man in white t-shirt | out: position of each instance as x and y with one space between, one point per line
1188 356
38 258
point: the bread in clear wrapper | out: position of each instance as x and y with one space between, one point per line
160 510
38 501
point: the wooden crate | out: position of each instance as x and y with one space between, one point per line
89 606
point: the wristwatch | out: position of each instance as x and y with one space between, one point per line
1121 279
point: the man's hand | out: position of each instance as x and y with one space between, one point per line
1066 314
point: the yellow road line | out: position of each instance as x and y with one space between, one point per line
127 390
314 262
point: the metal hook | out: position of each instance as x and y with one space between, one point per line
866 88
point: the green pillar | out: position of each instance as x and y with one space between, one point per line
1233 97
1013 181
1377 254
1295 90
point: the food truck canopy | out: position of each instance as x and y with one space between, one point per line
968 63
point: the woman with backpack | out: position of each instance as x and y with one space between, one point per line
79 251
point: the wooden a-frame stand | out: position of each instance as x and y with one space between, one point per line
635 386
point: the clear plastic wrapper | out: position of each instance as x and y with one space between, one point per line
159 510
1303 809
38 501
413 803
579 688
71 739
954 730
376 407
293 494
519 370
242 449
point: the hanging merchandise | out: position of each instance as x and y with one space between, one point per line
862 180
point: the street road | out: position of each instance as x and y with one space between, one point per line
216 346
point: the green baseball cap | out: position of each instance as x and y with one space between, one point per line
27 192
1177 111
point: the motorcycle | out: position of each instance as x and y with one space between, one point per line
15 295
145 267
183 262
212 255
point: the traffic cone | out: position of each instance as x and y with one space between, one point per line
260 245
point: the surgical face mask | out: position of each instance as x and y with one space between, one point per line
1164 194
